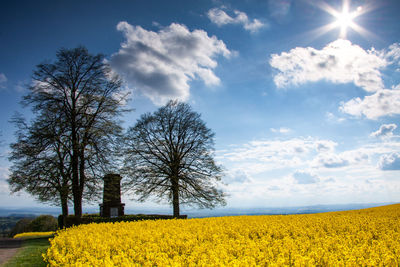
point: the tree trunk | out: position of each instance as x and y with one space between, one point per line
82 177
64 207
64 190
76 192
76 186
175 197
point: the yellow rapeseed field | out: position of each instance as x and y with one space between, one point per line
28 235
369 237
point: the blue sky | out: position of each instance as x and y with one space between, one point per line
306 110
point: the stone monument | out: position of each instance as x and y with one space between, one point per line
112 206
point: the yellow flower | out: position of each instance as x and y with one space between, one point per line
369 237
33 234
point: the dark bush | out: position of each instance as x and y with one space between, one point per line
94 215
21 226
72 220
44 223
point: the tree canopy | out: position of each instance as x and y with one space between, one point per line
169 155
77 101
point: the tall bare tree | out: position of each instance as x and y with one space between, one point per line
169 154
83 90
41 158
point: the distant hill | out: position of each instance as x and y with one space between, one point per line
9 216
279 210
28 211
197 213
7 223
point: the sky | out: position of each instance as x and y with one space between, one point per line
303 96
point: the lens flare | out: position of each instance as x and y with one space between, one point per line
344 19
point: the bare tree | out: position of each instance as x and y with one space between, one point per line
169 154
87 96
41 158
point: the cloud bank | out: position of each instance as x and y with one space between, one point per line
385 102
386 130
343 62
331 160
271 155
392 55
268 170
220 17
262 155
338 62
161 64
304 177
237 176
390 162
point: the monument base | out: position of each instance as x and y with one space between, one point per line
110 210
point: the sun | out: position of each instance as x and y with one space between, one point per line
344 19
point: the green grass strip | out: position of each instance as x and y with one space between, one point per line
30 254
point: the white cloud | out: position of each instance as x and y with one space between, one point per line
325 146
237 176
389 162
299 170
265 155
282 130
161 64
332 118
270 150
330 160
385 102
300 167
338 62
4 189
392 55
343 62
330 180
3 80
274 188
305 177
386 130
220 17
257 157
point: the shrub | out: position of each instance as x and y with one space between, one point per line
44 223
21 226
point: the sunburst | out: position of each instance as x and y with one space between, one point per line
344 19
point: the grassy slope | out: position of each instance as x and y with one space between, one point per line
30 253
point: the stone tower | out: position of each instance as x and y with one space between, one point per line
112 206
